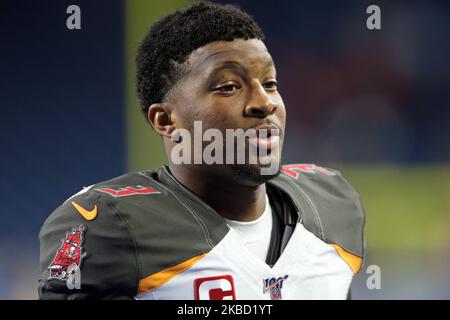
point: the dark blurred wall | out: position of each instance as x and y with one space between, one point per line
61 119
61 102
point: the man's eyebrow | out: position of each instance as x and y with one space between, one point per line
269 64
236 66
233 65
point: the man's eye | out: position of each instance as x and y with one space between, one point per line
271 85
229 88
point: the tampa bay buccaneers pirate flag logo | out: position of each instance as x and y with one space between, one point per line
68 258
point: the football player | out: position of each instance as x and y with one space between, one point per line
207 231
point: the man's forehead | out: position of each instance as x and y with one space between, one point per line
242 51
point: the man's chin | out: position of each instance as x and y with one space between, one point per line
253 174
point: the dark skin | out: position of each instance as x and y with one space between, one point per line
228 85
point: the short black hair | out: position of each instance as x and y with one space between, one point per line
174 37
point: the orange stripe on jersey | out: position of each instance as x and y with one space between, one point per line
353 261
158 279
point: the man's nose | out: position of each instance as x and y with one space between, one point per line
259 105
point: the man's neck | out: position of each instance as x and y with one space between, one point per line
230 199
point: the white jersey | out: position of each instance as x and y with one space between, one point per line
255 234
308 268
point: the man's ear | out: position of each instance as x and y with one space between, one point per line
159 116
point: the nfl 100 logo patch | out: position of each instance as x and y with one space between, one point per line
274 285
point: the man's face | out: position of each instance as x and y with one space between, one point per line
232 85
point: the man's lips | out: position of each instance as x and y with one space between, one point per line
267 137
268 129
268 143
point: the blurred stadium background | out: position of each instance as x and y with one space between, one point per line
374 104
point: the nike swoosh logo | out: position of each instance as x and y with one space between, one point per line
88 215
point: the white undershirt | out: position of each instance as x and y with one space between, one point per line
255 234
